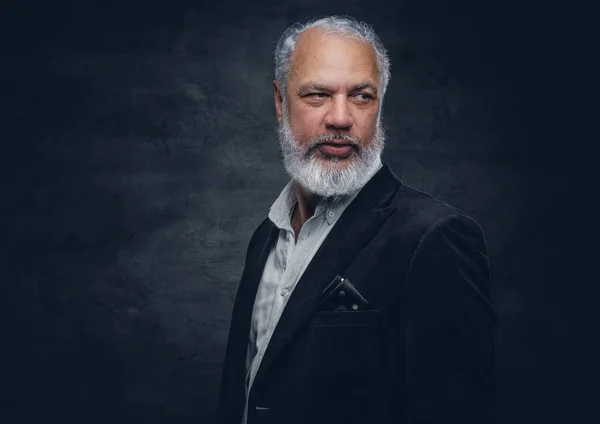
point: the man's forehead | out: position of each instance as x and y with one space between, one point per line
310 35
320 55
313 39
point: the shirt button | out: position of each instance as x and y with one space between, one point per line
342 293
331 214
283 291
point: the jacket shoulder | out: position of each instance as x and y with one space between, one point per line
421 206
416 212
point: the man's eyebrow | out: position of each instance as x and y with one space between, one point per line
322 87
364 85
311 86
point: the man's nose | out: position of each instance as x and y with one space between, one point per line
339 116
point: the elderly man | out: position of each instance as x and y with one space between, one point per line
362 300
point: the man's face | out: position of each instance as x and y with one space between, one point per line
329 123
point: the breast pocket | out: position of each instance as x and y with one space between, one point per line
346 318
343 346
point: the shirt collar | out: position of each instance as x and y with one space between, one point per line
281 210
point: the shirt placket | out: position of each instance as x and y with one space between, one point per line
278 303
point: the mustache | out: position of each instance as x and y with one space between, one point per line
338 137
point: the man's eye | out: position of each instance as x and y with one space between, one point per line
364 96
317 95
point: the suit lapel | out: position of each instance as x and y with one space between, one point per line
241 318
354 229
234 373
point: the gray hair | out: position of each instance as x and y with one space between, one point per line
345 26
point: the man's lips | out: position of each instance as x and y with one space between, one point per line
336 149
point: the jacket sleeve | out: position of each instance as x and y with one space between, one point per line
451 328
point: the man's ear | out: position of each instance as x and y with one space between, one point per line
278 101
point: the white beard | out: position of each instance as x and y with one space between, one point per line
314 173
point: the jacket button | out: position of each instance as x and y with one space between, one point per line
355 306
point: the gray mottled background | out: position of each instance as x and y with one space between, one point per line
139 154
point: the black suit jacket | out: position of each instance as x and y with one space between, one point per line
421 351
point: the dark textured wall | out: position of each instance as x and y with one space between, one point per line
139 154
